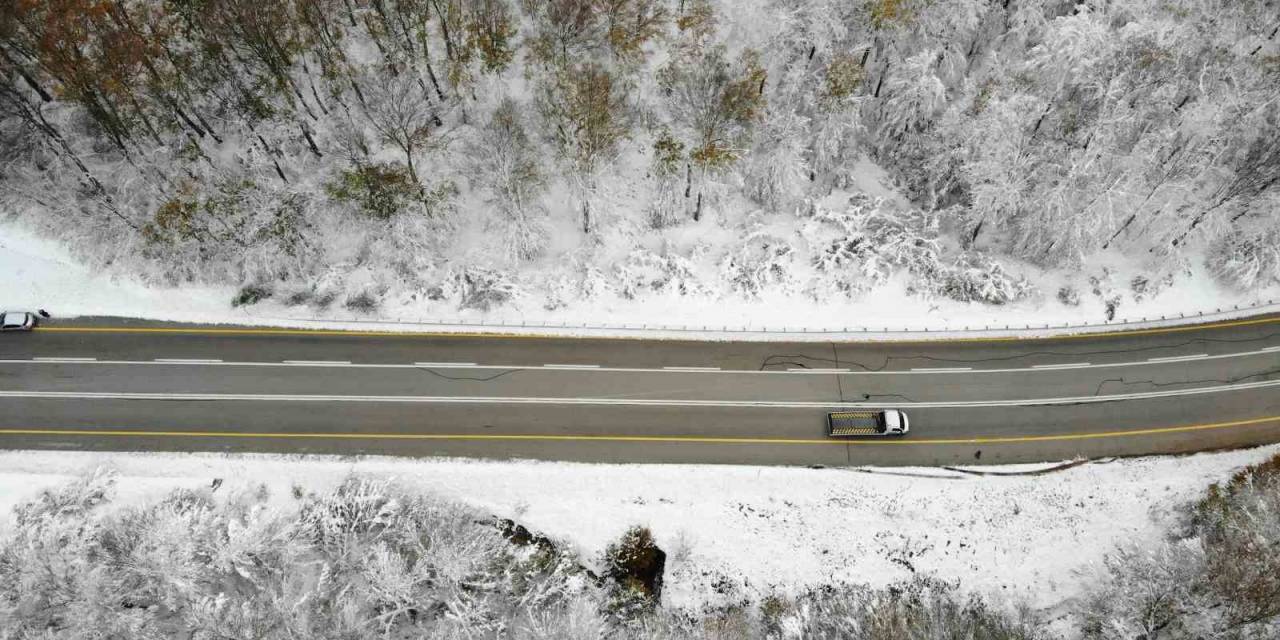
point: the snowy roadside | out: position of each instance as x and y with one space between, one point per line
741 533
42 274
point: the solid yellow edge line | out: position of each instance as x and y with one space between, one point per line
409 334
651 439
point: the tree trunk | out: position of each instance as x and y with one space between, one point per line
306 133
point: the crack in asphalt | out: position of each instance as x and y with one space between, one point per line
802 360
839 385
1160 385
470 378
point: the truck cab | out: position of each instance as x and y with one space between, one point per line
895 422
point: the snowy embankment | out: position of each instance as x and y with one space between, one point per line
737 534
42 274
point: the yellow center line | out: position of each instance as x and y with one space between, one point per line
618 438
531 336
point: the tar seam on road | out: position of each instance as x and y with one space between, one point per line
649 439
409 334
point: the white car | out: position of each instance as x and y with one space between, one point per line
17 321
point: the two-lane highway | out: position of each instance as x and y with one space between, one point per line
109 384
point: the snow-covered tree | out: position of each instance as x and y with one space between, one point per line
510 167
586 110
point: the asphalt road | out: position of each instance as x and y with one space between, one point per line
118 384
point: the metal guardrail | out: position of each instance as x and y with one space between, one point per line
547 327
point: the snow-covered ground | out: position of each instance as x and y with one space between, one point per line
39 273
740 533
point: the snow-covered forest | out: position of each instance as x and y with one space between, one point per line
473 153
372 559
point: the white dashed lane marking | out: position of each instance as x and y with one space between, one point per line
1178 358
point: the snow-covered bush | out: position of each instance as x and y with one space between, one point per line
977 277
763 260
1219 578
251 294
362 302
482 289
583 281
1102 287
645 272
921 609
1247 260
364 560
863 245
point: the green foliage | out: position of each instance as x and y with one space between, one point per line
668 154
697 23
743 97
568 31
631 24
287 228
176 217
718 102
844 74
379 190
587 108
193 216
491 31
887 13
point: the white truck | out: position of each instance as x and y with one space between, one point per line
868 422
